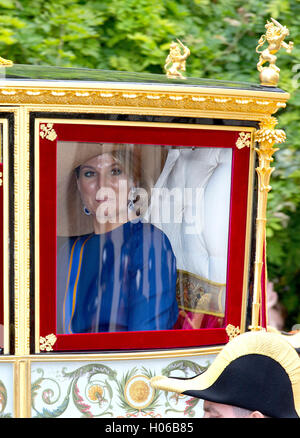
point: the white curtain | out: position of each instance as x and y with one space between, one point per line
194 210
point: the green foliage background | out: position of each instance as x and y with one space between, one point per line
134 35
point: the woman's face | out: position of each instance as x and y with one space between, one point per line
104 187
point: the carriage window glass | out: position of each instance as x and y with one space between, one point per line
142 235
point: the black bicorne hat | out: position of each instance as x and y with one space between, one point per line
258 371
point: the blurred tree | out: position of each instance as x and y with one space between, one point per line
134 35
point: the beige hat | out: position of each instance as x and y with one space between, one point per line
292 338
71 219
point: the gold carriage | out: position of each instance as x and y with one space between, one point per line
197 143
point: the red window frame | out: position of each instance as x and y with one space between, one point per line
1 247
47 238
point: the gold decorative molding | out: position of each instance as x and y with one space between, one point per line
232 331
47 342
7 229
274 36
209 102
47 131
22 234
244 140
266 137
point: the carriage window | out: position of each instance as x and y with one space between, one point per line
142 237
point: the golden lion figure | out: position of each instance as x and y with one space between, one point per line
177 59
275 35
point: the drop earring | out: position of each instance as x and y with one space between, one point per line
86 211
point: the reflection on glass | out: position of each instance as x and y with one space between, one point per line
142 244
194 186
54 73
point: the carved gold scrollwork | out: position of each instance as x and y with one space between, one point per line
266 137
47 131
232 331
47 342
243 140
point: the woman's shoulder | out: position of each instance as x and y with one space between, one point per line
68 241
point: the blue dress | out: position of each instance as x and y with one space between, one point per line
123 280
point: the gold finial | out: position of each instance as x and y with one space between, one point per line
177 57
5 62
274 36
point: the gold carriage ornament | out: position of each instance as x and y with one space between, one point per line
176 59
266 137
5 62
274 36
196 132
